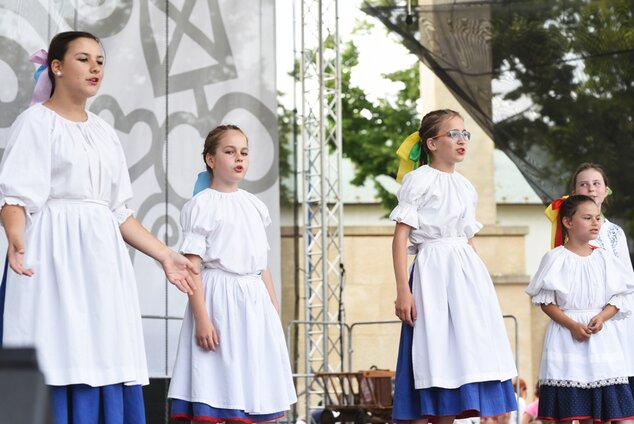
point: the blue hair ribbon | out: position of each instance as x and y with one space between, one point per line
39 71
202 182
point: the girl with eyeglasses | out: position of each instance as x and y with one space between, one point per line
446 301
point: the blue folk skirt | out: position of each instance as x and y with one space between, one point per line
195 411
609 403
484 399
112 404
83 404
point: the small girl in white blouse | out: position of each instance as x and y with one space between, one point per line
582 288
591 180
447 301
232 362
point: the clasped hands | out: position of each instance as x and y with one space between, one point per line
582 332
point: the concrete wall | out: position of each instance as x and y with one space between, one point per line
536 242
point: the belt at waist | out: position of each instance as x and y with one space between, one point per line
215 269
77 202
449 241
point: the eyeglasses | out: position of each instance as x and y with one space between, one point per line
455 135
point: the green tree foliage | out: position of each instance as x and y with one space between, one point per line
373 130
286 129
575 62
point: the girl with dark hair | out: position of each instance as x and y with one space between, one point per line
591 180
582 289
71 289
448 304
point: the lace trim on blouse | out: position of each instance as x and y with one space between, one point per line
613 233
580 385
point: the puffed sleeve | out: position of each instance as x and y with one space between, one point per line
263 211
410 196
121 191
541 288
195 220
25 171
619 285
470 225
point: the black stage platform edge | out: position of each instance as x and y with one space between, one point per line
156 405
24 397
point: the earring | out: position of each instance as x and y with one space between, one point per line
58 73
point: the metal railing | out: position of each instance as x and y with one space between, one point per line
348 330
309 378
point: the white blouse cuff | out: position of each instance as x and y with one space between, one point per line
618 302
122 214
405 213
14 201
193 244
544 297
472 229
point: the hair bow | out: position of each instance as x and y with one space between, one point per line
202 182
552 213
409 154
43 85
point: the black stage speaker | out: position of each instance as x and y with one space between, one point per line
24 397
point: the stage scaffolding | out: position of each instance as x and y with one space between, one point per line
320 122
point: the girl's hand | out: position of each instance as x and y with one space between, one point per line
596 324
177 269
580 332
405 308
15 254
206 336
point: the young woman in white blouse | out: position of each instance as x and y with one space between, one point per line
71 289
454 356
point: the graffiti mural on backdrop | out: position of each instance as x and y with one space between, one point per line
174 70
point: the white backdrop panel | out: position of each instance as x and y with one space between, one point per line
174 70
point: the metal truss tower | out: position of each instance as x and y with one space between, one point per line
320 121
